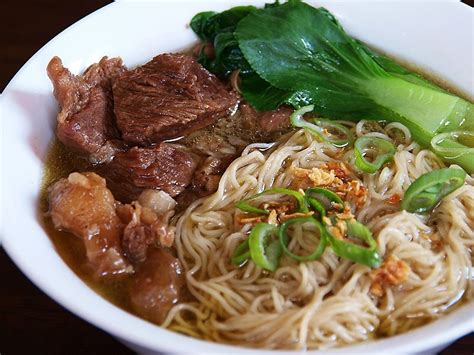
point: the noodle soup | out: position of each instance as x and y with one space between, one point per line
317 200
329 302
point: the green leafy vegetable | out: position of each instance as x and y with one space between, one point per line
218 29
396 69
200 24
295 54
262 95
299 48
425 192
379 149
207 25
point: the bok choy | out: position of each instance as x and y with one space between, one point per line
299 55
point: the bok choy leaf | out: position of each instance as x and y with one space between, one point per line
218 29
299 55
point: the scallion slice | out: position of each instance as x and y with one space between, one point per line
327 131
380 149
334 130
241 253
245 205
453 145
363 255
284 240
264 251
425 192
317 206
326 196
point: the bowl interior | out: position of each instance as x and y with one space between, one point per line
420 34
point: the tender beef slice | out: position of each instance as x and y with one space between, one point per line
168 97
144 228
83 206
158 284
276 121
164 167
86 120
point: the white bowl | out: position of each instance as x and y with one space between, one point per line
434 36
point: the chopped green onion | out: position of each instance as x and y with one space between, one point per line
318 251
425 192
319 128
265 252
363 255
321 199
335 129
381 149
317 206
245 206
241 253
325 196
298 196
453 145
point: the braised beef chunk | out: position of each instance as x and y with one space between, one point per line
158 284
136 240
168 97
86 120
165 167
144 228
83 206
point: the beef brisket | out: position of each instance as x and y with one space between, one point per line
86 120
168 97
158 284
165 167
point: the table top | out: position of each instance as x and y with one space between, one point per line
29 320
